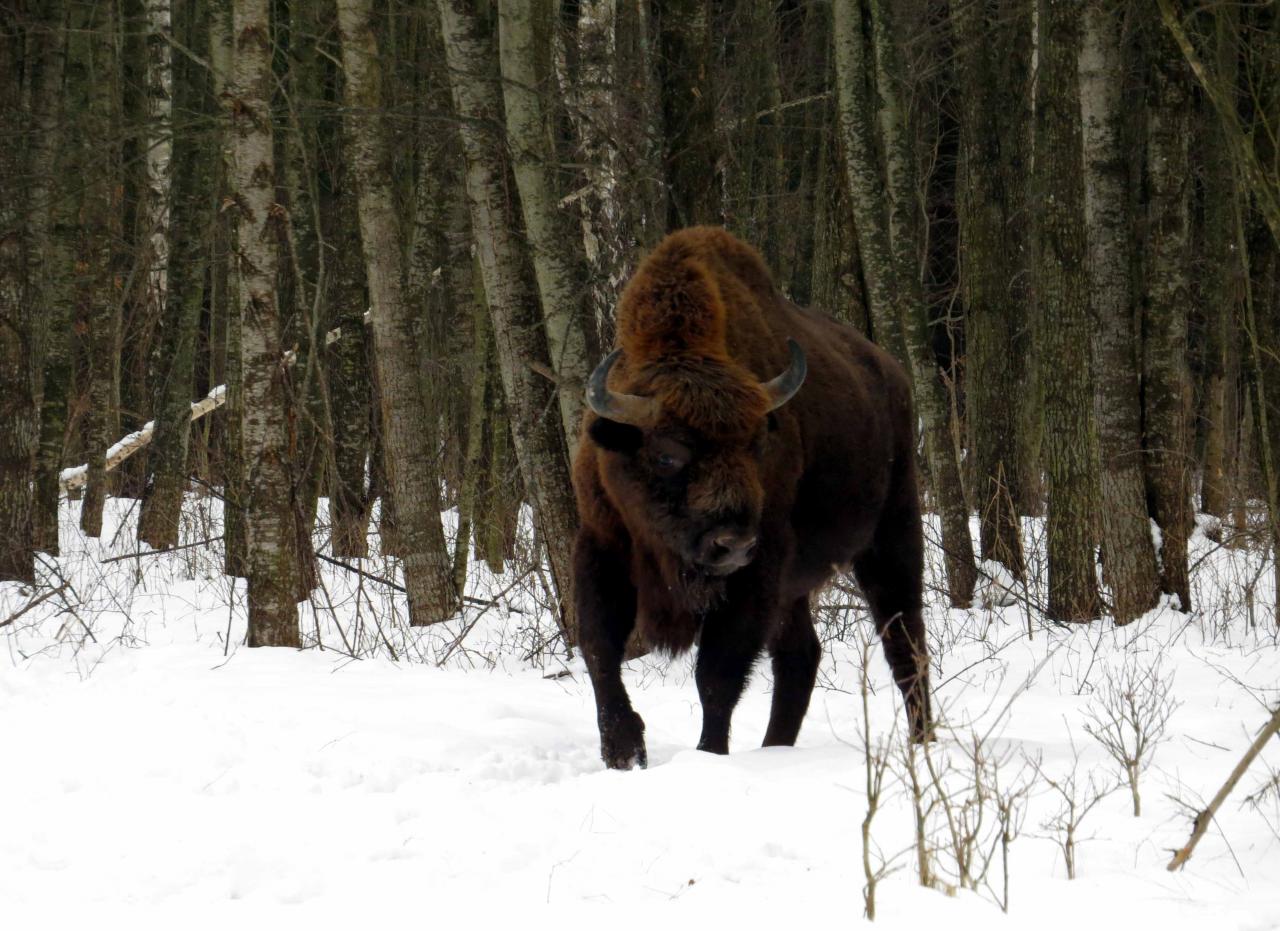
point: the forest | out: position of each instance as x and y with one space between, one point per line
306 293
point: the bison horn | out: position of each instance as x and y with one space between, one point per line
624 408
783 388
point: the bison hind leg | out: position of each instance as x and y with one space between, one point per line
795 653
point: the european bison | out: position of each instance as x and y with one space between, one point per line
740 450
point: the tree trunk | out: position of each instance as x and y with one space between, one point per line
1166 381
889 247
511 294
1127 550
1223 273
30 310
348 372
555 242
180 284
992 311
408 436
689 113
268 506
91 58
1064 325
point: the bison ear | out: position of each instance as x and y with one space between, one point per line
772 422
614 436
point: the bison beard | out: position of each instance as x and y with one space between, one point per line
716 494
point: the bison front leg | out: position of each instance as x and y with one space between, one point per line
606 603
732 637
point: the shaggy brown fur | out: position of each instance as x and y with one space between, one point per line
826 481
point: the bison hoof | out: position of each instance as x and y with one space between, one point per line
622 743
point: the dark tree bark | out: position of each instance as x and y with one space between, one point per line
91 59
688 113
33 320
1127 550
1063 324
993 311
1166 380
195 146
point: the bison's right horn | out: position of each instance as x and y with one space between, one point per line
624 408
783 388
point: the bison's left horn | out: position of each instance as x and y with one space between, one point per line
783 388
624 408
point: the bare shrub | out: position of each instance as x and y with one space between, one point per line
1078 797
1129 718
876 755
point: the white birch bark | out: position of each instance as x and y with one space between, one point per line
270 530
159 150
558 260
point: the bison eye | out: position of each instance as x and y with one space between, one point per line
668 465
668 456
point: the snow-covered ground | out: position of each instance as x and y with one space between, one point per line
152 768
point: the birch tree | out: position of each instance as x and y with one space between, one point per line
270 533
890 251
180 286
510 291
408 435
559 263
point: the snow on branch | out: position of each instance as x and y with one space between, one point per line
76 476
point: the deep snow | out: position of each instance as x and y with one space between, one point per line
154 769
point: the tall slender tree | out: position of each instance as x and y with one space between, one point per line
993 311
1062 308
510 291
269 508
559 262
1166 379
408 436
1127 550
890 252
180 283
689 113
92 73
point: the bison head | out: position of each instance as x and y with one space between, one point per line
689 451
